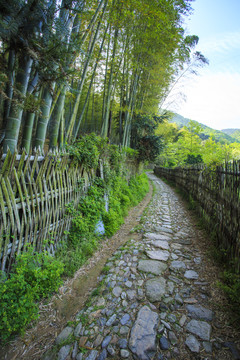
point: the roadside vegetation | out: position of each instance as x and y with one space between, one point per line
35 276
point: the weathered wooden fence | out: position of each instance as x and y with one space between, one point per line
34 192
217 192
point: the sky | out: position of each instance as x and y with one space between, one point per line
213 96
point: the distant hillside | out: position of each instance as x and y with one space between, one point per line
221 136
229 131
235 133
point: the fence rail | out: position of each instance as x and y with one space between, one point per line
217 192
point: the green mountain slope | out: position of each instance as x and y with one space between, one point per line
221 136
235 133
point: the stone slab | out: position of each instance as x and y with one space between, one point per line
155 289
193 344
191 275
143 335
161 255
154 236
152 266
177 265
200 328
163 244
200 312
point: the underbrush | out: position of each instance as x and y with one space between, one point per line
36 275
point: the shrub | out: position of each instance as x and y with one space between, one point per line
41 271
17 306
35 276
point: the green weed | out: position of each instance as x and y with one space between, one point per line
35 276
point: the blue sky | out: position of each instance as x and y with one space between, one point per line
213 97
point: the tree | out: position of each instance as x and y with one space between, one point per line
143 138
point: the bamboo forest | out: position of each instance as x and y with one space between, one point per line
75 67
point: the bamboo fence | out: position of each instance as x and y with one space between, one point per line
217 192
34 192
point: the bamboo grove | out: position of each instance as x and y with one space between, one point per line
73 67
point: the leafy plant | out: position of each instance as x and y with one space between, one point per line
35 276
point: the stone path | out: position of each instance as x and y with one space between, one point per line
151 301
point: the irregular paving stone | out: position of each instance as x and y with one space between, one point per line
101 302
111 320
207 346
64 334
155 289
190 301
178 299
103 355
140 293
152 266
142 340
124 353
190 274
79 356
200 312
199 328
170 287
117 291
154 236
98 340
122 343
172 337
197 260
182 320
158 255
123 295
106 341
177 265
183 241
124 330
125 319
164 344
75 350
102 321
163 244
93 355
77 330
193 344
131 294
167 325
111 350
128 284
63 352
172 318
163 229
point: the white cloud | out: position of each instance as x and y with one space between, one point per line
221 43
214 100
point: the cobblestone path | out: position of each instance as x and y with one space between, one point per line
153 300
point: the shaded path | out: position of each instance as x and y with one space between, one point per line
155 299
